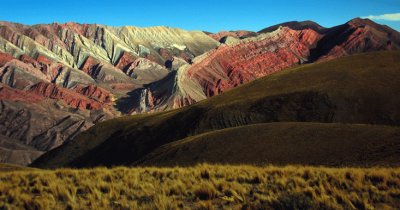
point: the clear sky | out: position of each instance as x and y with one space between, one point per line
207 15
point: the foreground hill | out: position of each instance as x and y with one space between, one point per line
285 143
360 89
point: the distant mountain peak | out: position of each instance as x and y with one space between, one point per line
295 25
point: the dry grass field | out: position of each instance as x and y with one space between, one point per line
202 187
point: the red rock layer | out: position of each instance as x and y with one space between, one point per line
236 34
26 59
43 60
93 92
5 58
81 29
230 66
125 60
70 97
356 36
7 93
89 65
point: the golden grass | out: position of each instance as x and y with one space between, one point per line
202 187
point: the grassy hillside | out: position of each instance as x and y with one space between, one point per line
202 187
285 143
360 89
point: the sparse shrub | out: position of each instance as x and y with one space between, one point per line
374 178
206 205
205 192
294 201
205 175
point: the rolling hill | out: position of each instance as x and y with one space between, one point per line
359 89
328 144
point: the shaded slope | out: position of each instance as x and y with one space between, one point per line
15 152
355 36
355 89
4 167
285 143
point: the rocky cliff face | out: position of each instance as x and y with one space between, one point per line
241 34
57 80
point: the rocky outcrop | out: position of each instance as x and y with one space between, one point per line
70 97
230 66
355 36
11 94
51 71
5 58
96 93
41 126
241 34
296 25
125 60
242 60
17 153
226 67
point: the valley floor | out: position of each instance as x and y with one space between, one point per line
201 187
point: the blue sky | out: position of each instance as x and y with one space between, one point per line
208 15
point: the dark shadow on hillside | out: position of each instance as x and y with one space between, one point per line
160 89
126 104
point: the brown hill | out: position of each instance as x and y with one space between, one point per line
328 144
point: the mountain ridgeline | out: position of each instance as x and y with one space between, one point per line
70 77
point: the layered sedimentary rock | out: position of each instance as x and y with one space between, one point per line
71 76
241 34
355 36
230 66
296 25
243 60
226 67
66 76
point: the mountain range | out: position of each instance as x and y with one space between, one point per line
58 80
342 112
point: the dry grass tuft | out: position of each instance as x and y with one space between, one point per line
202 187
